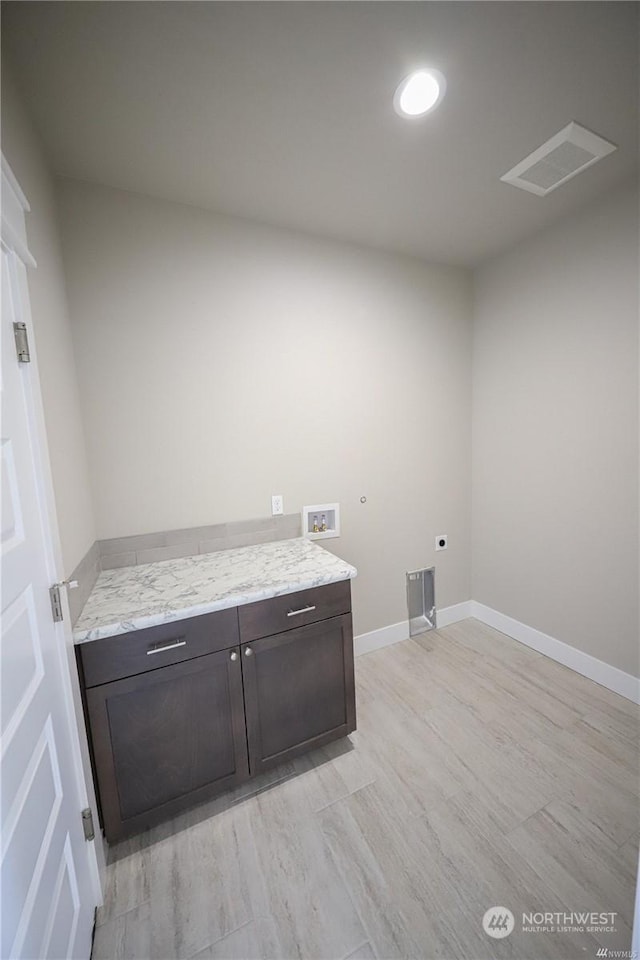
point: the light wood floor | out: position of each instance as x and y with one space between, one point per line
482 774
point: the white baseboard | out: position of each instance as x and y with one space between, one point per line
384 637
603 673
395 632
459 611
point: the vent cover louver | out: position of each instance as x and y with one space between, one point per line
569 152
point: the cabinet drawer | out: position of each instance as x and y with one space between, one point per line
127 654
266 617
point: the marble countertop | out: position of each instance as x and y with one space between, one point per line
131 598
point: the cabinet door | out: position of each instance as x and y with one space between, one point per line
299 690
166 739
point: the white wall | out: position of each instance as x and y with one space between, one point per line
49 308
555 432
56 366
221 361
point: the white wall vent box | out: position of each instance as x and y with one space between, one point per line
566 154
421 600
321 521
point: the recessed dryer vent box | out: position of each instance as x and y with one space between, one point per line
321 521
421 600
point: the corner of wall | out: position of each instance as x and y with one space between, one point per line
52 332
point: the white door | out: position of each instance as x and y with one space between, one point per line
48 892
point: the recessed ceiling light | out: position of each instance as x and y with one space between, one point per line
419 93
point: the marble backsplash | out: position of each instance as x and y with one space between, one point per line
85 574
171 544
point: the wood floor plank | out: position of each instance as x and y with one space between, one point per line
609 761
127 883
578 691
612 808
398 743
205 882
615 724
481 774
609 745
505 771
125 937
256 940
578 871
305 893
364 952
408 903
487 642
320 778
402 671
486 678
370 889
628 854
488 871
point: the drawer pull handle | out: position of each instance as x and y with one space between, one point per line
161 647
294 613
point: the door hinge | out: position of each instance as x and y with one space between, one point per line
22 342
56 603
87 824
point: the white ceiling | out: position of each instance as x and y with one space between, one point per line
282 112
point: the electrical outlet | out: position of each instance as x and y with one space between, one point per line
277 504
442 541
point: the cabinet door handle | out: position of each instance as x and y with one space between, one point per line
248 651
234 656
161 647
294 613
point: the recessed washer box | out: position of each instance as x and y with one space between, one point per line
321 515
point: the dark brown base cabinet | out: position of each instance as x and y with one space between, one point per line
180 712
298 691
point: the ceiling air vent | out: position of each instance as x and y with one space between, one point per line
569 152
